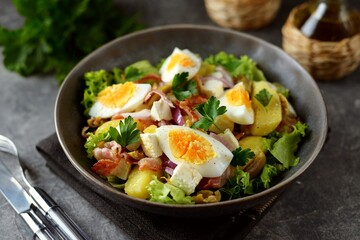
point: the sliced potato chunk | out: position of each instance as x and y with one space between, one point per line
255 143
267 118
137 182
105 127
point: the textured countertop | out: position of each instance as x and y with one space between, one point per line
324 203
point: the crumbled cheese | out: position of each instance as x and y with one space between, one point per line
150 145
185 177
160 110
213 88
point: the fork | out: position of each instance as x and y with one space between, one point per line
66 228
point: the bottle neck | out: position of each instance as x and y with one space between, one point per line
328 20
335 10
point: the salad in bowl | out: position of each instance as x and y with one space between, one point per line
190 129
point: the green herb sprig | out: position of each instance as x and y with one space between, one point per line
128 134
241 156
58 34
209 110
264 97
183 88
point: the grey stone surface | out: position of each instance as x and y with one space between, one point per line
323 204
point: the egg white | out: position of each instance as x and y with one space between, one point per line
168 75
238 114
212 168
137 99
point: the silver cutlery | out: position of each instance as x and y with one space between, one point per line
36 199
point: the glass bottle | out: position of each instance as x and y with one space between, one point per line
328 20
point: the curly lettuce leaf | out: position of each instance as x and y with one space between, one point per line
243 66
139 70
95 82
267 174
167 193
93 140
284 148
238 186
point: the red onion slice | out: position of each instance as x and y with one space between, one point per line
161 94
225 78
177 117
169 170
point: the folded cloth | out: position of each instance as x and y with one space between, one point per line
143 225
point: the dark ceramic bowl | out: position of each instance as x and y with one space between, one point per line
154 44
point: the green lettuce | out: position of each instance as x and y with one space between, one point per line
95 82
243 66
93 140
138 70
167 193
284 148
238 186
267 174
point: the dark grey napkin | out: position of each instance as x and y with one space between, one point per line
142 225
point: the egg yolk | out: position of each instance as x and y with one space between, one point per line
238 96
182 59
117 95
190 147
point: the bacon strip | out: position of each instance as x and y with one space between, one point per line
104 167
189 104
154 164
216 182
110 151
149 77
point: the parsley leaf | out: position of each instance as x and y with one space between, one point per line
241 156
128 134
83 25
264 97
182 88
209 110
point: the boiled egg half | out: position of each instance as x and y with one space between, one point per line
238 105
202 152
178 62
123 97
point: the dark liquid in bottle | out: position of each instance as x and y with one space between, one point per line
326 22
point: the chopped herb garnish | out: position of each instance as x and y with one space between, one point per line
128 134
183 88
241 156
209 110
264 97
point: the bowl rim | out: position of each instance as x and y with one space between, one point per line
247 199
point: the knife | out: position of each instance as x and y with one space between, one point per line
22 203
63 224
60 222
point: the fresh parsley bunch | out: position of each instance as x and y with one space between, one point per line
57 34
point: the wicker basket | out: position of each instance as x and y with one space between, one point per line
242 14
323 60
